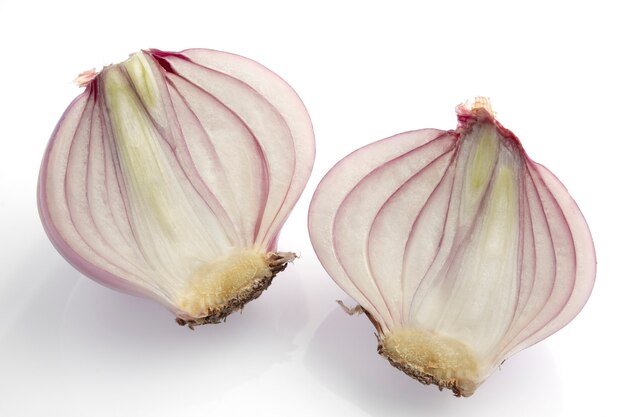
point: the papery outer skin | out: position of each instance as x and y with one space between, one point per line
187 126
390 225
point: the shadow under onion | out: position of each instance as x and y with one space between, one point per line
342 356
79 337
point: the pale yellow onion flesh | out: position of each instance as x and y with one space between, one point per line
461 249
171 175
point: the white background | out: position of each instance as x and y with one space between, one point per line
555 74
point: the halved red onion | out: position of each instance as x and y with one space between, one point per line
171 176
461 250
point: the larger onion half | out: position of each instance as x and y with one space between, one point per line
171 176
461 250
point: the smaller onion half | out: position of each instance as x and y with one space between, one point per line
171 176
461 250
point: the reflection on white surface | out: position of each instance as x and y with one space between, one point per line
78 337
71 347
342 355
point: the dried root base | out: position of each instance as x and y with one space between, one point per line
420 376
424 378
277 263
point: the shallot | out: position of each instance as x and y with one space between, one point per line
460 249
171 175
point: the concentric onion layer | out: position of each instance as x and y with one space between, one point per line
455 233
168 163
